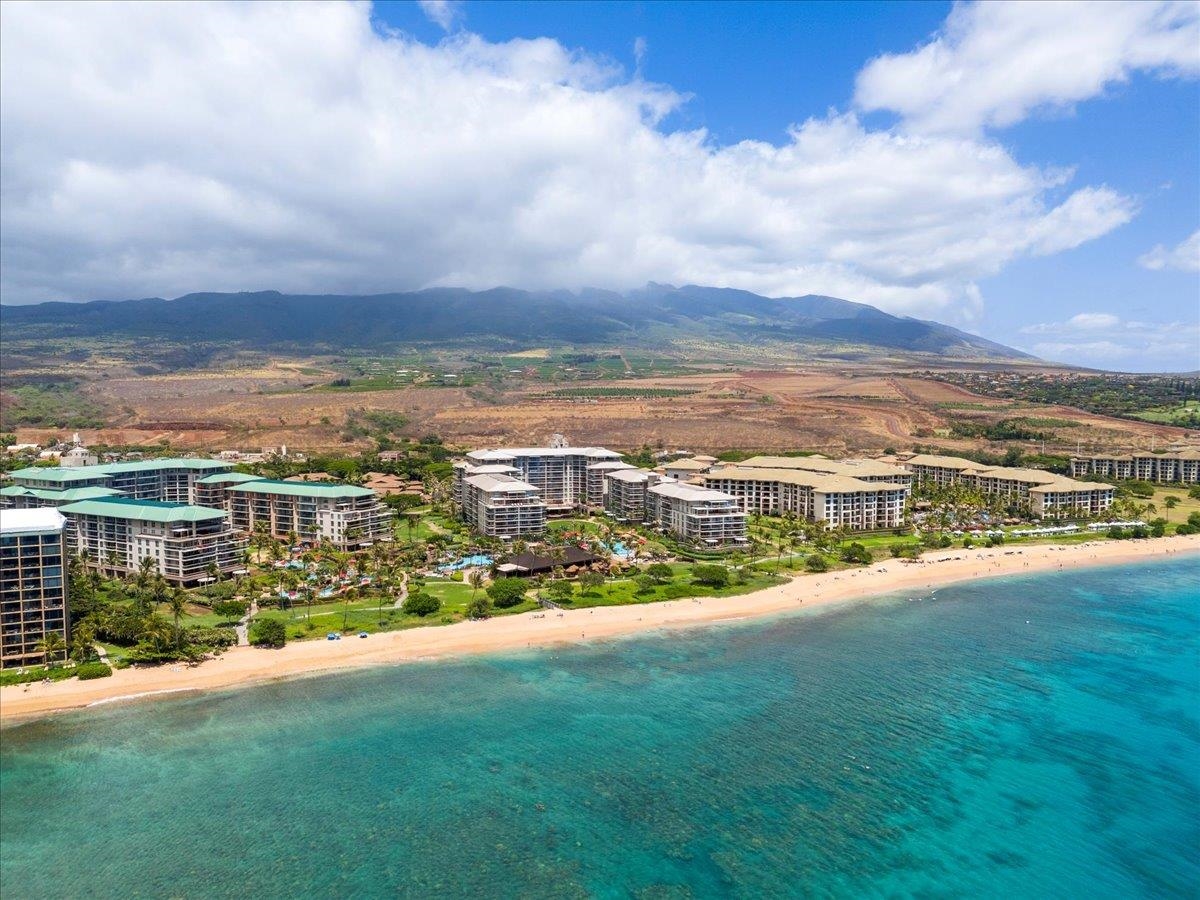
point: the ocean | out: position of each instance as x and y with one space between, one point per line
1027 737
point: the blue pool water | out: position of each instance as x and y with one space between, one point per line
1033 737
466 562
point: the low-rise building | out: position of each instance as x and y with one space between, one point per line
682 469
185 541
695 513
1169 466
502 506
33 584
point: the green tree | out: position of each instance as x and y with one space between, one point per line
421 604
660 571
230 609
590 581
816 563
856 553
82 642
506 592
560 591
479 608
178 604
268 633
711 575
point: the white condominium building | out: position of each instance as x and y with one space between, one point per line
939 470
33 583
1169 466
838 501
626 495
696 513
597 483
560 474
117 533
502 506
345 515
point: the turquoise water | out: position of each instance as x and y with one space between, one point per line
466 562
1036 737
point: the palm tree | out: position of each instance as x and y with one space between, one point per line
476 581
51 646
82 641
178 603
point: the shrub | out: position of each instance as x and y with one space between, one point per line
268 633
856 553
816 563
1194 520
421 604
589 581
1184 528
560 591
210 637
1117 532
645 584
713 576
676 591
479 608
88 671
660 571
506 592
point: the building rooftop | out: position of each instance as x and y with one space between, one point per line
150 465
60 474
689 492
69 495
31 521
944 462
493 484
229 478
686 465
633 475
1069 484
500 453
142 510
818 481
611 465
855 468
302 488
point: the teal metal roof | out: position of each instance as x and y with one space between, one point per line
69 495
303 488
142 510
229 478
59 474
150 465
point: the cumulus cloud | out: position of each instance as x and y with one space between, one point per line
992 64
156 149
1098 338
443 13
1184 256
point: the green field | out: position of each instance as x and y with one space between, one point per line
1185 414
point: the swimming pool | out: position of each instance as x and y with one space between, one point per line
467 562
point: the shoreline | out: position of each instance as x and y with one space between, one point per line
245 666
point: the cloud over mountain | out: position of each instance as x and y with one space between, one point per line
154 149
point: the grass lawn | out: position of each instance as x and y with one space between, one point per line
1186 507
623 591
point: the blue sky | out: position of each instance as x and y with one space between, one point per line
1029 172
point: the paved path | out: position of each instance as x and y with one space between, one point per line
403 595
243 625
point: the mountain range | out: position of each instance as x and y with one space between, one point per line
655 316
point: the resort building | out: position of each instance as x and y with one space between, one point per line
210 490
869 470
626 497
597 484
170 480
502 506
345 515
185 541
559 473
695 513
1044 494
14 496
688 467
838 501
33 583
1172 466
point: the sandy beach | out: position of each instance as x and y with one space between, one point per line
247 665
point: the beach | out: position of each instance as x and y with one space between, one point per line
247 665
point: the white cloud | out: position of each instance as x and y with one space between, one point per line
443 13
1105 339
156 149
992 64
1184 256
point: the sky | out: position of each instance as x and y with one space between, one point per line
1026 171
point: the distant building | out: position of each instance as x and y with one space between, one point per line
681 469
185 541
33 583
1170 466
1045 494
169 479
559 473
78 456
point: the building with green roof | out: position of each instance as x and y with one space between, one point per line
171 479
17 497
344 514
185 541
